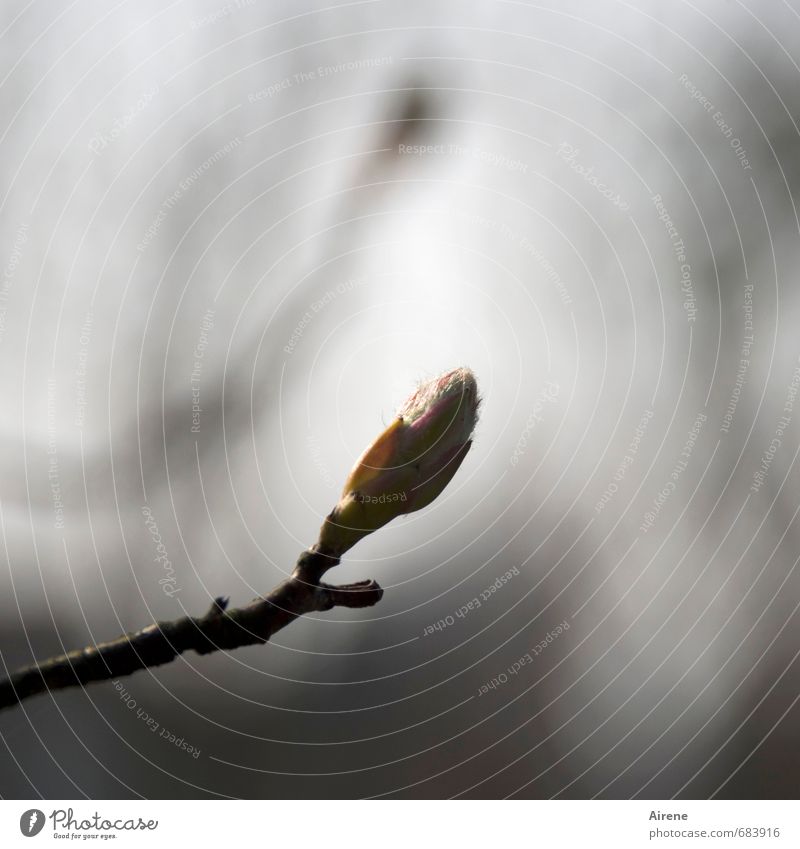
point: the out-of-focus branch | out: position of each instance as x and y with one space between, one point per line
218 629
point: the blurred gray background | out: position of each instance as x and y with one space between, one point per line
235 235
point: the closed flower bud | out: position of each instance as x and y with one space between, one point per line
409 464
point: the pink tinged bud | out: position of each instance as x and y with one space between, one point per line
409 464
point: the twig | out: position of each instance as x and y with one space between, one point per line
220 628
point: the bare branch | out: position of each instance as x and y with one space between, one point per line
218 629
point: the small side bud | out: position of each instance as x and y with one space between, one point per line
409 464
